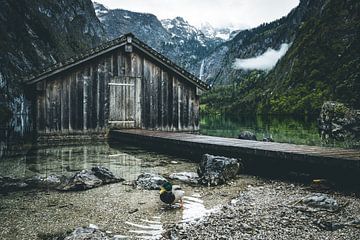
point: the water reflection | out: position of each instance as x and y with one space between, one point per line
65 160
280 128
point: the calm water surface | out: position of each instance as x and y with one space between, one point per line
118 208
280 129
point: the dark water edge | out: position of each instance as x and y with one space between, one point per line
16 136
284 129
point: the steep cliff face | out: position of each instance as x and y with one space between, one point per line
175 38
38 33
219 65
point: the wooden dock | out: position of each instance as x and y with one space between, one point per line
341 164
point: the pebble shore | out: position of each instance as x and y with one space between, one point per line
275 210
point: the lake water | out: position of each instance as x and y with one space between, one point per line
119 208
280 129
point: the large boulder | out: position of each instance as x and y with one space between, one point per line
215 170
150 181
338 121
247 135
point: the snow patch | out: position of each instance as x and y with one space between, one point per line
266 61
224 36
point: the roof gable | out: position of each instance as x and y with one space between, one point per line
108 47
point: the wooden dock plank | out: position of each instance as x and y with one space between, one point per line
334 163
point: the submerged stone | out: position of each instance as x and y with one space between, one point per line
150 181
82 180
104 174
91 232
187 177
215 170
8 184
87 179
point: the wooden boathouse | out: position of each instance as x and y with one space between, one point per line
120 84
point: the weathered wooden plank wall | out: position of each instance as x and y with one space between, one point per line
118 89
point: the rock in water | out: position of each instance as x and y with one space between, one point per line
105 175
247 135
215 170
187 177
150 181
8 184
338 121
82 181
87 179
91 232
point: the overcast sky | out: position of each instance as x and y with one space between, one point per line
239 13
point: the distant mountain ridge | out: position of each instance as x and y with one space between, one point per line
218 64
175 38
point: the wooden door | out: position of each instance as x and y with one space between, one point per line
123 102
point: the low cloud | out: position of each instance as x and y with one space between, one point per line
266 61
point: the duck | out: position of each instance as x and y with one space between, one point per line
171 194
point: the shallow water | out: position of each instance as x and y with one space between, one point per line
283 129
117 208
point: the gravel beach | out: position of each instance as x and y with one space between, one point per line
276 210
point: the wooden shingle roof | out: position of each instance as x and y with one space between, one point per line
109 46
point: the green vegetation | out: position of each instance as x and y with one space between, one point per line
280 128
322 64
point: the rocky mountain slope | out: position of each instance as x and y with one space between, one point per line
219 64
38 33
322 64
175 38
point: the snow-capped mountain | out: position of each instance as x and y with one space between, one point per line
224 33
175 38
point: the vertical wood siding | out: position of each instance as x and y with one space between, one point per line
147 95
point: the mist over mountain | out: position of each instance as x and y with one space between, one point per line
276 66
321 63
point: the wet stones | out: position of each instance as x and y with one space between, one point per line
150 181
187 177
215 170
319 200
247 135
90 232
83 180
104 174
11 184
87 179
